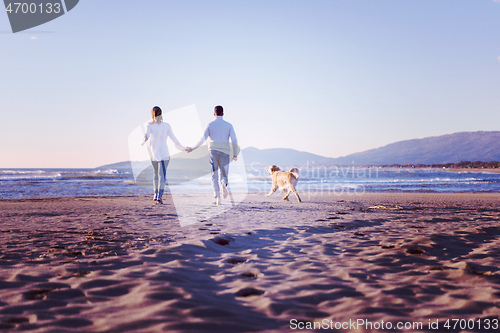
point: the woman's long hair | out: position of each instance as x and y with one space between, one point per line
156 115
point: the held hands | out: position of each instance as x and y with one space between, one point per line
189 149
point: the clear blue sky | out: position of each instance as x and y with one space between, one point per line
331 77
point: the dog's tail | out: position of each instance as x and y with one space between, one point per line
295 172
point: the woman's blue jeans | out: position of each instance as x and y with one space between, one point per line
160 174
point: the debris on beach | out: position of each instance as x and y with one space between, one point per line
385 207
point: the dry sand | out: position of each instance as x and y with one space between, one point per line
123 264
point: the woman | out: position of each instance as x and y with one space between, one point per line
157 133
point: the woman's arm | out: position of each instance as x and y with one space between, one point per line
146 136
174 139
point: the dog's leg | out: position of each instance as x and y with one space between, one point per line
287 194
296 194
273 189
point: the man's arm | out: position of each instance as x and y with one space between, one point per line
202 140
234 141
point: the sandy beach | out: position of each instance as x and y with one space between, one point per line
124 264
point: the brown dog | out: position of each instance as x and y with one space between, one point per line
285 180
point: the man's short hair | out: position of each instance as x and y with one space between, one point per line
219 110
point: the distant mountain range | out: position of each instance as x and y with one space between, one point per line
283 157
451 148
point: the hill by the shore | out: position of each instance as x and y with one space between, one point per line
260 158
451 148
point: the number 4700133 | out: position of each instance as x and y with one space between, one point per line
485 324
33 8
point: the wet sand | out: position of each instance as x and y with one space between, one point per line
124 264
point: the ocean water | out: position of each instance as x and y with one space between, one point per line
43 183
40 183
359 180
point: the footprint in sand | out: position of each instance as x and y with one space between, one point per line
245 292
222 240
414 249
471 269
235 261
250 275
16 320
36 294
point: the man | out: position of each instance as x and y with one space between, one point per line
219 131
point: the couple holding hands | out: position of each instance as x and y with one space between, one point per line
218 132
